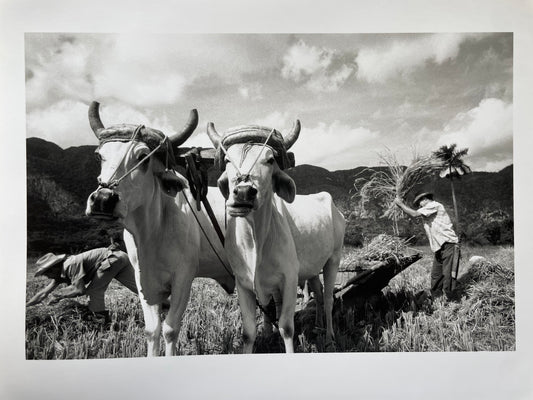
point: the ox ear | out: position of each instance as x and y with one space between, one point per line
171 182
223 184
284 186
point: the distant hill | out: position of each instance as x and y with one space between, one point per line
59 182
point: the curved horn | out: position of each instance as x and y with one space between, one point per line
213 134
180 137
94 118
292 135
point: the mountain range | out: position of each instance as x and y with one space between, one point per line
60 180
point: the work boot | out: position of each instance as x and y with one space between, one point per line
101 317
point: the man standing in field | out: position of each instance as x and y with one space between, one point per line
442 239
88 273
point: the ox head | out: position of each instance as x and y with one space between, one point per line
135 163
252 158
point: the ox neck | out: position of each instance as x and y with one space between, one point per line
148 220
259 222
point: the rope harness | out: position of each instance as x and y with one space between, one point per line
113 183
240 176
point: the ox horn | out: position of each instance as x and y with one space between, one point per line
292 136
213 134
94 118
179 138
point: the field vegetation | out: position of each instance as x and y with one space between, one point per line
394 320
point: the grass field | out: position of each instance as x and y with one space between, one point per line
483 319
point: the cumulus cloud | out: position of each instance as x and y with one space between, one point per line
401 57
332 145
141 70
336 146
62 71
317 67
66 124
251 92
486 130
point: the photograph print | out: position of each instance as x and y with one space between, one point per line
202 194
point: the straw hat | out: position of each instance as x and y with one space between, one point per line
48 261
420 196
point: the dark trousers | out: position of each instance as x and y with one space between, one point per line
444 271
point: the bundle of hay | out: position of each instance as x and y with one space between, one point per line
396 181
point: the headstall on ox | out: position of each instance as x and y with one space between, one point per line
254 135
113 183
158 143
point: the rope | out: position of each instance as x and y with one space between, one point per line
261 151
117 181
207 237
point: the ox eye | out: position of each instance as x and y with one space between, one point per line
140 153
270 161
98 156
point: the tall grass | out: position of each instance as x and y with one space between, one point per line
392 320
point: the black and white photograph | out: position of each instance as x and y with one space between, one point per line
361 184
208 199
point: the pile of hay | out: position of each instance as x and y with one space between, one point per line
385 246
492 285
379 249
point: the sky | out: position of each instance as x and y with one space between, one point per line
358 96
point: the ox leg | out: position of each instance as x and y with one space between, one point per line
316 287
249 329
152 326
330 275
172 324
286 318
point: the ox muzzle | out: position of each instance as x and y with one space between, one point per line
244 200
102 203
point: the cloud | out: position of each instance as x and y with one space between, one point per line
66 123
251 92
336 146
401 57
317 67
276 120
62 71
140 70
486 130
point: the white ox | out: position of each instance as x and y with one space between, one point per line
275 239
165 244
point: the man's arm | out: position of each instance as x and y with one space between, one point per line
42 294
74 290
408 210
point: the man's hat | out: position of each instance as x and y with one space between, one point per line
48 261
420 196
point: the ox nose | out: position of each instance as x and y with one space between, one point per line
245 193
102 202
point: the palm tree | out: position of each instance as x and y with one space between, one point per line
453 166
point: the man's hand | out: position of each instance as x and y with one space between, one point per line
398 201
